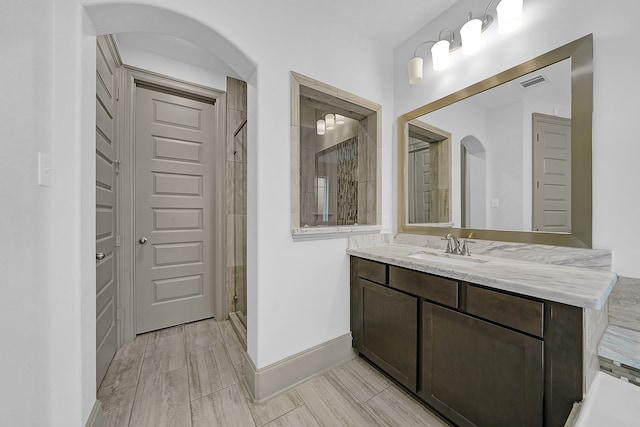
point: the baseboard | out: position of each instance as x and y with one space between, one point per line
271 380
96 419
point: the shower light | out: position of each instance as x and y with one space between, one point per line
330 121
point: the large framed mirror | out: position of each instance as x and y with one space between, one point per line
520 146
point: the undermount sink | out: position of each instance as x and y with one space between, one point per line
446 259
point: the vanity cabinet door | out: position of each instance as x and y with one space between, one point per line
480 374
389 334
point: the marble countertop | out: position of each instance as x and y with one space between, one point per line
621 345
574 286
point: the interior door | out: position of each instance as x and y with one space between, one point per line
106 203
552 173
174 137
421 176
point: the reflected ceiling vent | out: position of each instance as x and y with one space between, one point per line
533 81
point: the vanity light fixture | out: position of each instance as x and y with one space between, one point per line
439 54
509 18
339 119
321 127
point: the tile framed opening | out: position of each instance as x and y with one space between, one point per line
335 161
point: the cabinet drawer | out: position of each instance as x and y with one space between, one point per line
423 285
518 313
373 271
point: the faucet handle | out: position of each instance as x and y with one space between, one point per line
465 247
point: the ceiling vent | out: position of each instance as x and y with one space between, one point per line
534 81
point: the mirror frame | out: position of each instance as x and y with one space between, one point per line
581 54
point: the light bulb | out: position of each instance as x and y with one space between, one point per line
509 15
440 55
415 70
320 127
471 34
330 121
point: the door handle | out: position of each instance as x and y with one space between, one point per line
143 240
100 256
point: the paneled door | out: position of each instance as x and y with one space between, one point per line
106 203
552 173
174 137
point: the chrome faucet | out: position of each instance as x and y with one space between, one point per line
453 244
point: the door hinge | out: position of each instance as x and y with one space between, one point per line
537 184
118 165
118 314
118 241
538 137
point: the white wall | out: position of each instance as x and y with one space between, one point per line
143 59
25 214
504 147
298 293
547 25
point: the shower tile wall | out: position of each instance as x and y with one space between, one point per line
312 146
236 195
367 170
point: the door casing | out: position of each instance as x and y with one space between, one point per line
130 77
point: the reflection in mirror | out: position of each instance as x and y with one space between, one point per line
429 174
508 182
521 150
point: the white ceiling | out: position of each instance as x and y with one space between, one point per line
388 22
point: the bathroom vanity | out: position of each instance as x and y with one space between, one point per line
485 342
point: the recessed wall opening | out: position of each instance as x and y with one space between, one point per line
336 150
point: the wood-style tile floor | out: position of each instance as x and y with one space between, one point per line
188 375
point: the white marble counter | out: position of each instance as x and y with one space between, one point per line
579 287
621 345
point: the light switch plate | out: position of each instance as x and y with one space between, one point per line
44 170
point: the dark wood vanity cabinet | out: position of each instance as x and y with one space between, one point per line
386 325
478 356
479 374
